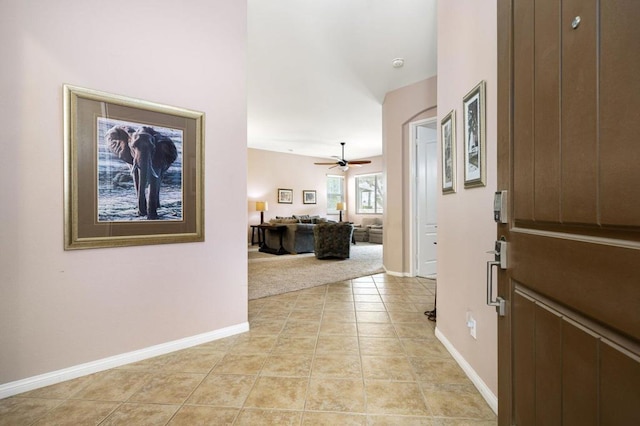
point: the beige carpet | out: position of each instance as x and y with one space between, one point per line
270 274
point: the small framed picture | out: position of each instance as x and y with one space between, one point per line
474 137
308 197
285 196
448 136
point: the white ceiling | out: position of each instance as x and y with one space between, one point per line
318 70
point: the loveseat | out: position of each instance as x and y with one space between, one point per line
297 237
369 230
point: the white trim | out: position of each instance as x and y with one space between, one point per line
399 274
396 274
54 377
482 387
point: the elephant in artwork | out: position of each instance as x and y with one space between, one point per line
149 154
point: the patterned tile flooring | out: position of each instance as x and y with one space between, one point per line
358 352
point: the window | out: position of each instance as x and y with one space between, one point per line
335 192
369 192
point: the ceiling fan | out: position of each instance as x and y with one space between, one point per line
344 164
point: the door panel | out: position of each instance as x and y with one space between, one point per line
598 280
524 352
568 154
619 378
579 376
619 85
548 361
566 371
523 152
546 116
428 266
578 113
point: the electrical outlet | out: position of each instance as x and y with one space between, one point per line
471 323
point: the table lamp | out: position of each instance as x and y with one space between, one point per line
262 206
340 207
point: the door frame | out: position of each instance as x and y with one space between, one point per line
413 201
503 165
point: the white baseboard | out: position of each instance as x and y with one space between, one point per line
54 377
395 274
402 274
484 390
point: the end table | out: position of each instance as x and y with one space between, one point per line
276 228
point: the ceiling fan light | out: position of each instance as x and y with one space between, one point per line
342 163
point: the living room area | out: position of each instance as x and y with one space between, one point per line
312 191
269 171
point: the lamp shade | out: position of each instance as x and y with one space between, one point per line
340 206
262 206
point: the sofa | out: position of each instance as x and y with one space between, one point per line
375 234
298 235
369 230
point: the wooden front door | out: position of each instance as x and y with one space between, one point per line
569 156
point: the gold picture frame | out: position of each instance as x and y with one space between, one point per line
473 121
448 139
115 145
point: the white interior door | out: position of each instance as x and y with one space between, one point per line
426 196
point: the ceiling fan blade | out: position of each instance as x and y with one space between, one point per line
344 163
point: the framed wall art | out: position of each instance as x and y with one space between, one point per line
308 197
133 171
285 196
448 138
474 137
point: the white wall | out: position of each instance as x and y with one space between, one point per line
467 54
62 308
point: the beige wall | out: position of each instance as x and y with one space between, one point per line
400 107
60 309
466 231
267 171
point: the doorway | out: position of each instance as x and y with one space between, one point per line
424 198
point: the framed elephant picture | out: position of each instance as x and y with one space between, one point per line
133 171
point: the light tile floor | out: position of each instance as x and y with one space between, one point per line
358 352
